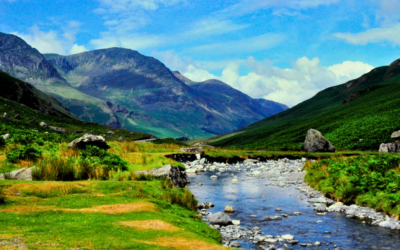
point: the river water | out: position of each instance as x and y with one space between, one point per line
253 197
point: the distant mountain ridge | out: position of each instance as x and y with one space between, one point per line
122 88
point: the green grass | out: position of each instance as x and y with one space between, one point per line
363 124
58 226
372 181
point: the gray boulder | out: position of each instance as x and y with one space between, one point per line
6 136
320 207
315 142
59 130
89 140
389 147
110 132
192 150
44 125
177 176
396 135
220 219
6 116
205 205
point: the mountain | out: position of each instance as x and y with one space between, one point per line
124 89
146 96
21 61
359 114
26 94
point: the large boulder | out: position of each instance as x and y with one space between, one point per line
315 142
177 176
396 135
89 140
220 219
393 147
59 130
43 124
198 150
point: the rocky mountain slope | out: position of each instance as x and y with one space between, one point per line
124 89
26 94
146 96
359 114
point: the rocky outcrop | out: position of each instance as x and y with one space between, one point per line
89 140
393 147
351 97
59 130
315 142
395 135
220 219
177 176
20 174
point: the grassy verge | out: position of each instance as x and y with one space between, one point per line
372 180
102 214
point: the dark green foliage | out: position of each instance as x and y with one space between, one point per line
2 196
169 141
175 196
55 169
361 180
362 124
2 142
26 152
93 155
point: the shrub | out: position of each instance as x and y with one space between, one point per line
93 156
27 152
2 196
54 169
2 142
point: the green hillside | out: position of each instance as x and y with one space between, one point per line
362 123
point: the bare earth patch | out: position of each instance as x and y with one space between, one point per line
150 225
181 243
27 209
116 208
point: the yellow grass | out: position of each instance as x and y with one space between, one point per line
181 243
150 225
46 188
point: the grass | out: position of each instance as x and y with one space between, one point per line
372 180
98 214
362 124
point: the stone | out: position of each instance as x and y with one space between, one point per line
43 124
320 207
236 222
287 237
234 244
315 142
214 177
191 171
89 140
392 147
20 174
219 218
6 136
60 130
317 200
111 132
177 176
395 135
17 117
229 209
205 205
197 150
250 161
121 138
235 180
6 116
278 209
272 241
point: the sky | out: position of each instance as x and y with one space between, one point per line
281 50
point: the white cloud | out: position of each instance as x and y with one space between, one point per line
290 86
375 35
52 41
244 7
212 26
118 6
133 41
77 49
252 44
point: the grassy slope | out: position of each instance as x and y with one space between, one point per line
372 117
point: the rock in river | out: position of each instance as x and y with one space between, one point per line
219 218
229 209
315 142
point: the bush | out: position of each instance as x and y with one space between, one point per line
2 196
2 142
93 155
24 153
54 169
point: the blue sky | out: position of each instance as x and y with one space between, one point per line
283 50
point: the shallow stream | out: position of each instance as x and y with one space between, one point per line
253 197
